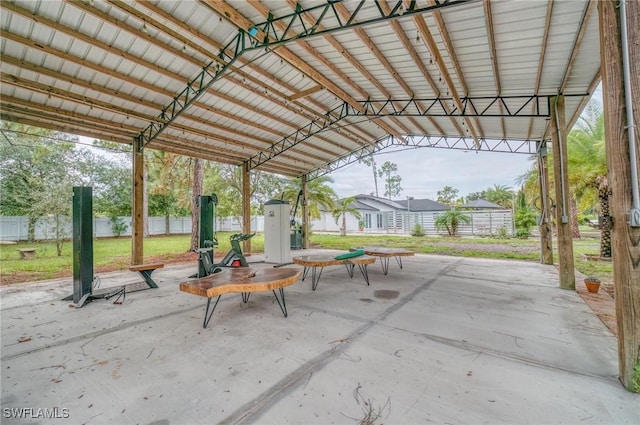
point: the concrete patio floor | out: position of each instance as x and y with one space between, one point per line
444 340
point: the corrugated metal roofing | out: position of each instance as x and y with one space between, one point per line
108 69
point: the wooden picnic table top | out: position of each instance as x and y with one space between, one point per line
324 260
381 251
241 279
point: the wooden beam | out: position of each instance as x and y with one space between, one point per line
453 58
306 218
589 8
137 230
625 239
488 16
184 56
305 93
430 43
546 234
543 50
224 9
561 185
246 206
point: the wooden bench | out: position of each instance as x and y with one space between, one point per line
145 271
27 253
385 253
242 280
314 262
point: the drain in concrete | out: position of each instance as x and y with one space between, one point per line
386 294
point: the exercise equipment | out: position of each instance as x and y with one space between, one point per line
82 217
233 258
206 230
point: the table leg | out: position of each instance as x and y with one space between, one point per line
304 272
399 260
283 306
146 275
245 297
315 278
207 315
365 273
349 267
385 265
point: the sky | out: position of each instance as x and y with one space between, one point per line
425 171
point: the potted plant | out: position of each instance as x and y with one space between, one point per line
361 225
592 284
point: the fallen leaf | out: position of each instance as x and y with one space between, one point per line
24 339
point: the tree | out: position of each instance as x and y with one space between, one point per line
38 169
501 195
450 220
319 195
391 180
525 216
340 212
371 162
447 195
226 182
169 178
474 196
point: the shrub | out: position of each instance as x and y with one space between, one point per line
118 226
502 233
417 230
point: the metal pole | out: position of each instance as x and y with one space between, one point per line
634 214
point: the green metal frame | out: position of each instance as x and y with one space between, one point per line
82 243
267 36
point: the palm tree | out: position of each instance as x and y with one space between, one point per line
501 195
341 210
319 195
450 220
587 169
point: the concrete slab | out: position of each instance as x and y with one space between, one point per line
445 340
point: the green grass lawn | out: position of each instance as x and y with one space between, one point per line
115 253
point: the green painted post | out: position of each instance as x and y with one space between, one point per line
207 226
82 242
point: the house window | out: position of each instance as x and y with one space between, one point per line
367 221
379 221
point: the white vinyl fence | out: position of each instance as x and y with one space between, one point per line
16 228
483 223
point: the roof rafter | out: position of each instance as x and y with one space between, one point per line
262 78
246 40
428 40
453 57
543 49
488 17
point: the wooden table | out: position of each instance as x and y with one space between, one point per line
321 261
385 253
243 280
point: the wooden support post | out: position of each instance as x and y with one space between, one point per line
546 234
561 185
305 214
246 206
137 239
625 239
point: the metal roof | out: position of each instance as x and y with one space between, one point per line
297 87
